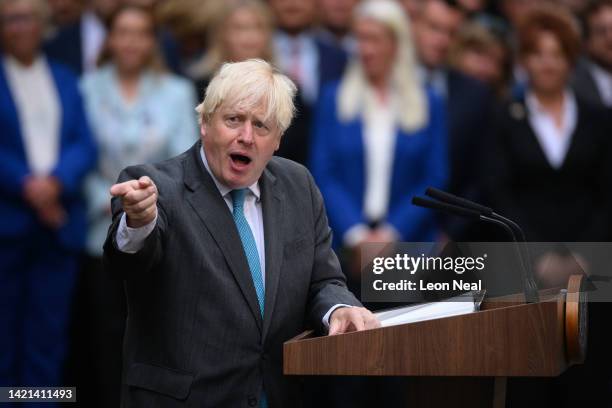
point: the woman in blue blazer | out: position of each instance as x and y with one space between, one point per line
45 152
379 138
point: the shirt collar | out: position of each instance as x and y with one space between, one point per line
13 64
223 189
535 108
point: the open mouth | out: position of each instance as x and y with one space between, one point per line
240 159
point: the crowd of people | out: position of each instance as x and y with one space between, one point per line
506 102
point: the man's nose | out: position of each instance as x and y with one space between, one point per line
247 135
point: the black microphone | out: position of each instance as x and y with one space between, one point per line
444 207
455 200
459 206
464 202
461 212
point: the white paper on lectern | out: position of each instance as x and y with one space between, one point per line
426 311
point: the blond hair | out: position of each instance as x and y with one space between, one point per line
249 84
353 93
217 52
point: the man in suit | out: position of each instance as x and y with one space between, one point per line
226 253
79 44
46 150
309 61
434 29
592 80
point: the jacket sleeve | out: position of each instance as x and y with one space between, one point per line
343 211
409 220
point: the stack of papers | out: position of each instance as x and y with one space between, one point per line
427 311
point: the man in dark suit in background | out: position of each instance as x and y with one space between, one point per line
79 44
468 101
592 79
308 61
226 253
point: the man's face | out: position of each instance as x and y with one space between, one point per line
514 10
435 27
336 14
21 29
294 16
239 144
66 11
599 43
105 8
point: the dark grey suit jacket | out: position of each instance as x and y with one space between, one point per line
194 334
584 84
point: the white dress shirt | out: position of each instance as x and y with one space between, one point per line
39 111
379 133
93 34
603 80
298 57
131 240
555 141
379 136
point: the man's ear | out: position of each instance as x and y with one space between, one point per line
203 129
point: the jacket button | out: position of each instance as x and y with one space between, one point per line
265 356
252 401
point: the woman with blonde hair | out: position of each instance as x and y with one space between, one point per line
242 31
379 136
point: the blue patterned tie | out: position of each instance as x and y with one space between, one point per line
250 250
248 243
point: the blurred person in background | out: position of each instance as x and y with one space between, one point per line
593 75
45 151
472 7
309 61
78 45
65 12
434 30
185 26
412 7
550 170
335 17
577 7
139 113
243 30
551 149
480 54
379 137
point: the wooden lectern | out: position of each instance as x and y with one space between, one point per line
461 360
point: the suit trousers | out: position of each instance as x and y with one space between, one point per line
37 280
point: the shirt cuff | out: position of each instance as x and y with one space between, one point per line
330 311
355 235
131 240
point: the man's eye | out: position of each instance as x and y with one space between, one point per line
260 125
232 120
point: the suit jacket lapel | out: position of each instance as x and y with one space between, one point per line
206 201
273 217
